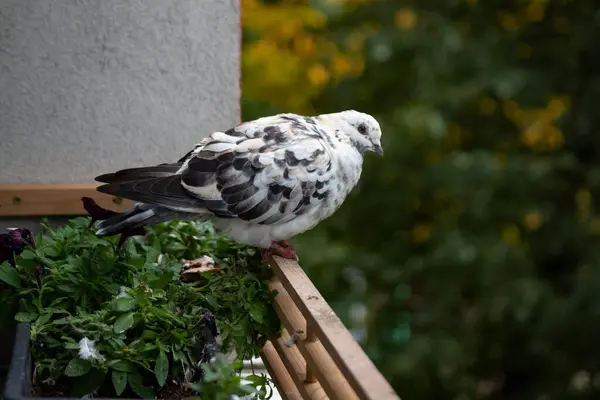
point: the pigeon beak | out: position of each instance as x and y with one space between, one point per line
378 149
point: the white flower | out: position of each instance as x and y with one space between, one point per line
87 350
246 397
123 293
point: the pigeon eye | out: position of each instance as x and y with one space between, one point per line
362 129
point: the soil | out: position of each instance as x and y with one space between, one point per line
174 389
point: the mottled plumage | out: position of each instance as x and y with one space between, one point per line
261 182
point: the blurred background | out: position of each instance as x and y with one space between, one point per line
467 260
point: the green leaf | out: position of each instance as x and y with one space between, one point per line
123 323
161 368
124 304
178 355
9 275
212 301
27 255
66 288
135 381
44 318
51 251
257 312
119 380
123 366
77 367
43 258
149 334
72 346
175 246
25 316
162 281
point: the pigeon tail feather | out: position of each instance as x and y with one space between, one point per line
138 216
137 174
159 199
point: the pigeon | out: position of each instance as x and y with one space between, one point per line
98 213
260 183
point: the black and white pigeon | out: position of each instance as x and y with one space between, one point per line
260 183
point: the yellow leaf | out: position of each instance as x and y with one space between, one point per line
583 199
558 105
532 136
420 233
554 138
512 235
318 75
508 21
405 19
355 42
535 12
305 45
341 65
533 220
511 110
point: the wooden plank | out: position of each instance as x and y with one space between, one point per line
349 356
317 359
285 385
45 200
296 367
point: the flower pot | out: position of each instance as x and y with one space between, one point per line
7 337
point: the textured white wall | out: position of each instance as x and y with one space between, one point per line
90 86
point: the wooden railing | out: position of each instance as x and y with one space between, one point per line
34 200
314 357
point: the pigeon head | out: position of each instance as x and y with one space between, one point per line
362 129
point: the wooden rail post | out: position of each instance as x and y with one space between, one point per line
333 364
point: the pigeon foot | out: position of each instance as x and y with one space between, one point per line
281 249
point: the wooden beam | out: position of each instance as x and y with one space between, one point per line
296 367
317 359
355 365
285 385
46 200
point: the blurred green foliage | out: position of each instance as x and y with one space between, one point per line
468 259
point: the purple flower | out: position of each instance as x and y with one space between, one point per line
95 211
21 238
14 242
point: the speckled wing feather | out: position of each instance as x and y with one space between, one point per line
268 171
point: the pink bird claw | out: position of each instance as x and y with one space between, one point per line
280 248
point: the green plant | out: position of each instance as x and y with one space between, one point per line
115 320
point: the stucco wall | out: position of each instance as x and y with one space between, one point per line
89 86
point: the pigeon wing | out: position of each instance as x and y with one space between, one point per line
266 171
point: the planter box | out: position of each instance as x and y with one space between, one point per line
315 356
17 385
